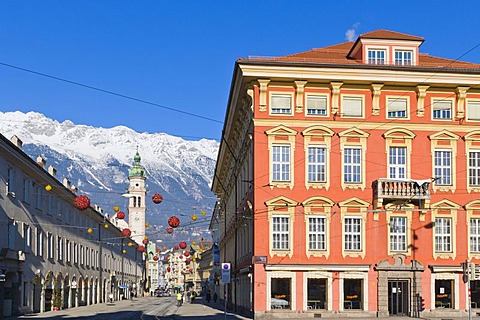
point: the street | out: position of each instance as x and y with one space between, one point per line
143 308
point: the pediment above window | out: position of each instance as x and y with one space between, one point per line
354 202
354 133
318 131
444 135
281 130
399 133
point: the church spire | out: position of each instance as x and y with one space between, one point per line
137 169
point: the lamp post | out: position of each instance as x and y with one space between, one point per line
123 289
100 271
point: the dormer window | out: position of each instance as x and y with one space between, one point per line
376 56
403 57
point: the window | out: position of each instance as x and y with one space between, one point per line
26 190
443 167
10 179
352 165
68 251
403 58
280 233
398 234
75 253
60 248
12 234
39 243
397 165
352 293
281 163
317 105
82 255
26 293
27 238
475 235
474 168
352 106
443 234
38 197
50 245
317 233
353 234
376 56
316 164
473 110
281 103
281 293
397 108
444 293
442 109
317 293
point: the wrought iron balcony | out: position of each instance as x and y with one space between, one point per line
393 190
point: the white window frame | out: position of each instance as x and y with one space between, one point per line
473 170
27 238
395 105
443 172
398 233
402 60
60 249
373 56
316 170
352 97
443 237
282 111
439 104
283 173
39 242
397 169
353 166
474 239
353 239
68 250
317 238
473 110
317 111
281 243
50 245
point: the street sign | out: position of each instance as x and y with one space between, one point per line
226 272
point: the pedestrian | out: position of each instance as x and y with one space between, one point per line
192 297
215 297
130 290
179 299
189 295
208 296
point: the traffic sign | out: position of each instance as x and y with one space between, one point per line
226 272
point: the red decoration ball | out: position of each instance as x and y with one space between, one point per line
188 261
169 230
141 248
182 245
173 221
175 248
157 198
121 215
126 232
181 257
168 269
155 258
145 241
81 202
186 253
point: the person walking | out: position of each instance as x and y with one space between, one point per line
179 299
208 296
130 290
192 297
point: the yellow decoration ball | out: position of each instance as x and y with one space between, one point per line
146 238
124 251
203 213
48 187
116 208
89 230
164 248
194 217
147 224
194 242
130 244
106 226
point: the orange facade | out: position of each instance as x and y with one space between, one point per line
364 165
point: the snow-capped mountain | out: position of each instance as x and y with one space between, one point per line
96 161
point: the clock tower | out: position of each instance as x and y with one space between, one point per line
136 203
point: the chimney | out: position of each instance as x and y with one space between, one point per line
52 171
66 183
41 162
73 188
16 141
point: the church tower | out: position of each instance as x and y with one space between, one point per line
136 203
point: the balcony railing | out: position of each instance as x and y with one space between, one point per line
390 190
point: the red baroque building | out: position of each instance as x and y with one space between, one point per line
348 180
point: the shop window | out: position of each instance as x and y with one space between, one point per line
443 293
352 294
281 293
317 293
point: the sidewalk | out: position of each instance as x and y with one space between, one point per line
201 310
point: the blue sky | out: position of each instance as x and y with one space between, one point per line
181 54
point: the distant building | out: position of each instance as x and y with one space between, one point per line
53 255
348 180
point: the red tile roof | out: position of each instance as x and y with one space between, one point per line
337 55
390 35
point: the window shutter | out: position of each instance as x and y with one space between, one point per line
352 106
395 105
317 103
442 105
281 102
473 110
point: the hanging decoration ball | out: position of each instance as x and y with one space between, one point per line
130 244
81 202
89 230
155 258
48 187
194 242
169 230
124 251
147 224
144 254
106 225
204 212
191 270
141 248
186 253
126 233
164 248
168 269
116 208
181 257
194 217
182 245
121 215
157 198
146 237
187 261
175 248
159 251
173 221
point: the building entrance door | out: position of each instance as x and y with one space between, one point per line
398 297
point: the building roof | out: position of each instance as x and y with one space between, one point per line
338 55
